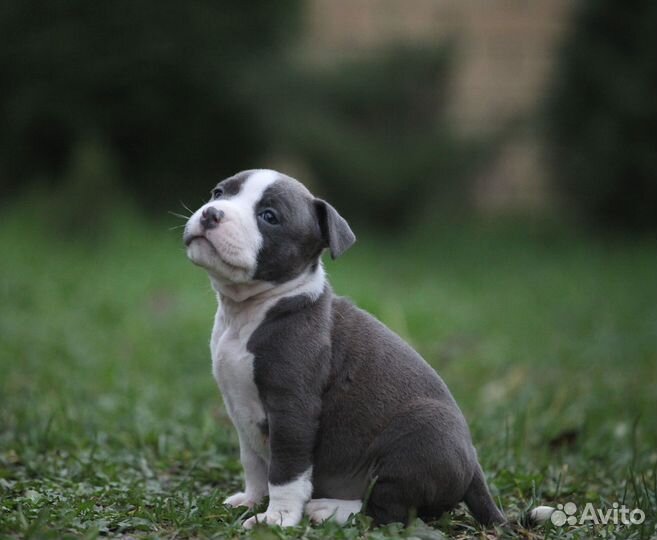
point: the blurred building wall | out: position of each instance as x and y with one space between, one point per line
505 50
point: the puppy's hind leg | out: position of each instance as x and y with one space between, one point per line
387 503
338 510
423 462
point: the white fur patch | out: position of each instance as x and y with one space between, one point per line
338 510
229 251
541 514
232 367
286 502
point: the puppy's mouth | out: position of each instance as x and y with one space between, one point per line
187 240
190 238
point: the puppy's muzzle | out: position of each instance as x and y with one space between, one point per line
210 217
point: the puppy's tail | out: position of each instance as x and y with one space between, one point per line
540 515
480 502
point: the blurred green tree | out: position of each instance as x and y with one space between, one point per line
375 132
154 80
601 116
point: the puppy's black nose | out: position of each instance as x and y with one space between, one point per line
210 217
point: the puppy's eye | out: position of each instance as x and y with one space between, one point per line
217 192
269 216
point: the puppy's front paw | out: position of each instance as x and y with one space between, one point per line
242 499
283 518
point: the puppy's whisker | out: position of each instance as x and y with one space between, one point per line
179 215
187 208
176 227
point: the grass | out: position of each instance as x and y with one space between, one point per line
111 424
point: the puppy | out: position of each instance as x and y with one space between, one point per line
328 403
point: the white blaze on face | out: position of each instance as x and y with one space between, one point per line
230 250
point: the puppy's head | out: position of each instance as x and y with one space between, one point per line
263 226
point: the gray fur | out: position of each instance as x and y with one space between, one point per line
335 230
233 185
296 241
345 394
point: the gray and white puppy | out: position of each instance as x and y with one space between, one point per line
328 403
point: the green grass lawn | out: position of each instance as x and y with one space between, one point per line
111 423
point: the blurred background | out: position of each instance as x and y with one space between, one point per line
497 160
415 110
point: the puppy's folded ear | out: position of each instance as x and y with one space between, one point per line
335 230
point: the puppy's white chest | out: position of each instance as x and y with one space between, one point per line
232 367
